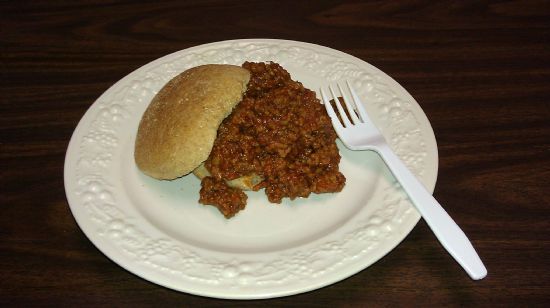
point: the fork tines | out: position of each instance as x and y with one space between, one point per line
350 113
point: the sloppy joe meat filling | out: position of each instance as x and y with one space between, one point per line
227 199
279 131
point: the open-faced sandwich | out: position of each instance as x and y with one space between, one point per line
240 128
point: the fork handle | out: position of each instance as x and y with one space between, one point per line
446 230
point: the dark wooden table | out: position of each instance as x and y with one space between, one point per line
479 69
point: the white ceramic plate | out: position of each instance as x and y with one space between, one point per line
158 231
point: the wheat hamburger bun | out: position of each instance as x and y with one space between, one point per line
178 129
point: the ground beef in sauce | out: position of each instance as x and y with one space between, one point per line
227 199
279 131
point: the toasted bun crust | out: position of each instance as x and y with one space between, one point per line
178 129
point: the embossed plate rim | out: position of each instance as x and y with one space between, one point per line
403 105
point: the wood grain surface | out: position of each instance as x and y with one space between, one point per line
479 69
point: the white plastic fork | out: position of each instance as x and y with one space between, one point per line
358 132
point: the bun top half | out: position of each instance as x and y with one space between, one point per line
178 129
